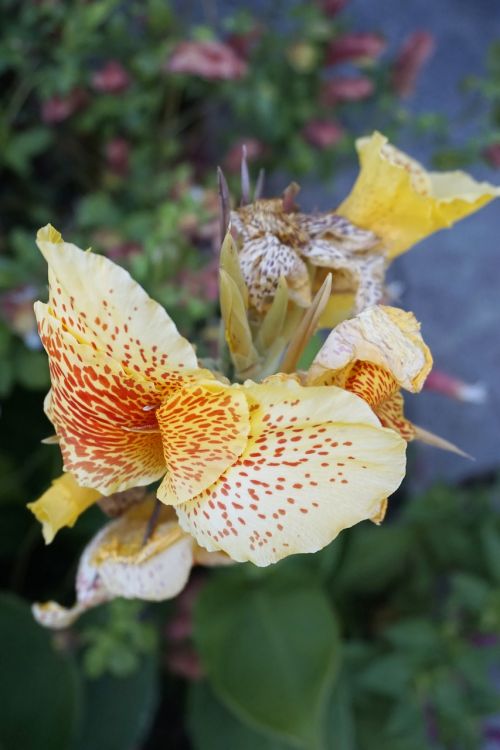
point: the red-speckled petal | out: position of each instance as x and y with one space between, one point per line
101 305
103 416
204 429
317 461
391 414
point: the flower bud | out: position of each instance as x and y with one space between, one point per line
414 53
322 133
111 79
346 89
211 60
362 46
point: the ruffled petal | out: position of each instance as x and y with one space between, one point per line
399 201
104 417
387 341
317 461
61 505
101 305
204 429
119 561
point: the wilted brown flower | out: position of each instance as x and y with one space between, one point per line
210 60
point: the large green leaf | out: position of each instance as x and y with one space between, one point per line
213 727
39 687
119 710
270 646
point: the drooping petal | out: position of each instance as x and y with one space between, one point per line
387 338
390 411
204 429
317 461
61 505
101 305
118 561
401 203
104 417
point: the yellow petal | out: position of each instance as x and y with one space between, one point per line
119 562
383 336
101 305
399 201
317 461
61 505
204 429
104 417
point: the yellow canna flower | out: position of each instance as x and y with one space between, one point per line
119 562
258 471
61 505
398 200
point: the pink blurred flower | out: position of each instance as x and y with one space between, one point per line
232 160
124 250
413 55
111 79
492 155
16 308
332 7
360 46
58 108
117 155
202 283
210 60
453 387
346 89
185 662
322 133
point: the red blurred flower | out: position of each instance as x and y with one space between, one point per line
16 308
232 160
492 155
210 60
449 385
414 53
355 47
346 89
117 155
332 7
243 44
322 133
58 108
111 79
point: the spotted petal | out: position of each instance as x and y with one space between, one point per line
317 461
204 429
104 416
101 305
399 201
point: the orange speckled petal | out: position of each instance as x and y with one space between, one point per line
370 382
317 461
101 305
104 418
204 428
391 414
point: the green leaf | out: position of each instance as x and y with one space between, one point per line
271 649
374 557
213 727
32 368
119 710
386 675
341 734
39 686
490 538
